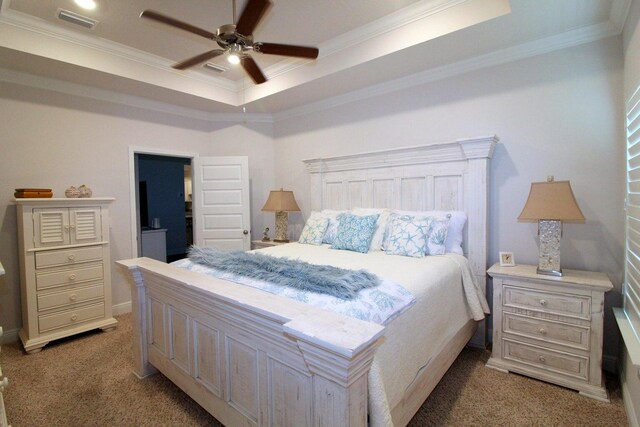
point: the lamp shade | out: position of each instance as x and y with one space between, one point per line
552 200
281 201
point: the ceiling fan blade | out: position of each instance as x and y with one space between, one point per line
197 59
287 50
252 69
251 15
158 17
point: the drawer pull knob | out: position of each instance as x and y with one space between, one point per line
72 277
71 257
73 297
74 317
543 331
543 302
542 359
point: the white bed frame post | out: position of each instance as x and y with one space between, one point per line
478 152
141 366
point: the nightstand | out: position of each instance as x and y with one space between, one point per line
259 244
550 328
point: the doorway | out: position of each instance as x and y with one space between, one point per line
160 193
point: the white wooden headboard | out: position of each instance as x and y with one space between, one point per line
443 176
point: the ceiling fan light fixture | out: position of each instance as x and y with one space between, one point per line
234 54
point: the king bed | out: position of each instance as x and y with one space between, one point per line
255 357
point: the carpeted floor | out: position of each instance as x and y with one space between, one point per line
87 381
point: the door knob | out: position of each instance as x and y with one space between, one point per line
245 232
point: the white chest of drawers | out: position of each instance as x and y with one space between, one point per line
65 268
550 328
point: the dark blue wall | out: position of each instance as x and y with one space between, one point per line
165 196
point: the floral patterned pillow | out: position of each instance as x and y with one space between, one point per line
408 236
314 229
437 236
355 232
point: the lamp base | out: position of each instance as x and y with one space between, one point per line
550 232
282 225
549 272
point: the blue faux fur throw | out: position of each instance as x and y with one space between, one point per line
326 279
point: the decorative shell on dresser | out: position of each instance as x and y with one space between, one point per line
85 191
72 192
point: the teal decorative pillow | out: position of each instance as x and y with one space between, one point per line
355 232
314 229
437 236
408 236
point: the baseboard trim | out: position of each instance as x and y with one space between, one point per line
9 336
122 308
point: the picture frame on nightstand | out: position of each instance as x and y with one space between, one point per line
507 259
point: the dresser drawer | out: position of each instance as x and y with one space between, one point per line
69 297
576 306
68 276
68 256
549 360
47 322
546 330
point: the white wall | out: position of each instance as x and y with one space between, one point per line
556 114
630 375
53 140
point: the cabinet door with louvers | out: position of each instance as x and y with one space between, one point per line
66 226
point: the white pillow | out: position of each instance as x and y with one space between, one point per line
314 229
381 225
457 221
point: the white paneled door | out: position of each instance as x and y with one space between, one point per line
221 202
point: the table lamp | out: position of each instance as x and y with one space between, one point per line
550 203
281 202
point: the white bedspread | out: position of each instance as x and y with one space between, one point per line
446 298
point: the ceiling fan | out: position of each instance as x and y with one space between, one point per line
236 40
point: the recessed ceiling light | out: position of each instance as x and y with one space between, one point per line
86 4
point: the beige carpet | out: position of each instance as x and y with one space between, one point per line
87 381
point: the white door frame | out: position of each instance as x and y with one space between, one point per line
133 150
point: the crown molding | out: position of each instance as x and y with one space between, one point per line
46 83
360 35
525 50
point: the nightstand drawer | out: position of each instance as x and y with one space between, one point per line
548 360
577 306
70 317
545 330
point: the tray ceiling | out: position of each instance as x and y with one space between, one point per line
363 44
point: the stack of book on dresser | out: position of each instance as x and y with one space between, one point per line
33 193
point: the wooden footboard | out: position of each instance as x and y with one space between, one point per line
248 357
